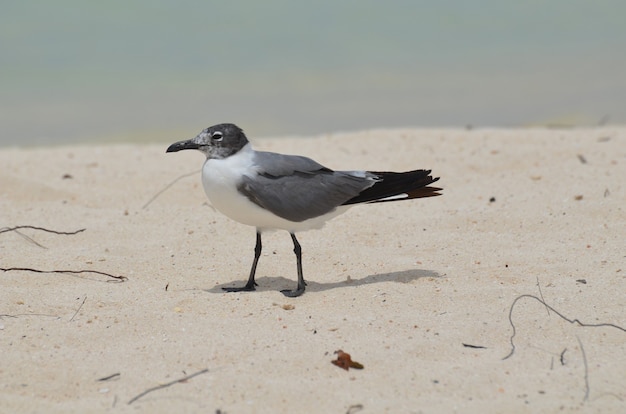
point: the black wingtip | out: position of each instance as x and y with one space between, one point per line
394 186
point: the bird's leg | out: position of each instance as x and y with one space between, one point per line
301 283
251 283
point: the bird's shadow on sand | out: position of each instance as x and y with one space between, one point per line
279 282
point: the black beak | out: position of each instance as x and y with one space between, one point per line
182 145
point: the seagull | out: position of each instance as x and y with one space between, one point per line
272 191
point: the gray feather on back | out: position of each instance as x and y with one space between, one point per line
298 188
279 165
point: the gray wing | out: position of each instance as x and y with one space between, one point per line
298 188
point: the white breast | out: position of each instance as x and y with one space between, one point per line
220 179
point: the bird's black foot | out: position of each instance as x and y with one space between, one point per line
293 293
249 287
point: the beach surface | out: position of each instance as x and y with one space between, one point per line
468 302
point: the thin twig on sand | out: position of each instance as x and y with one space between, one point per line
73 272
158 387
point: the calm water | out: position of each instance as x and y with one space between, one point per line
74 71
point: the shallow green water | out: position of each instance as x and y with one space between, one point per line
74 71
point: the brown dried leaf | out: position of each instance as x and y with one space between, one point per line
345 361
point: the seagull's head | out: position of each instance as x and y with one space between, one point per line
216 142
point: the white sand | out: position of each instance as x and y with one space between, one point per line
399 286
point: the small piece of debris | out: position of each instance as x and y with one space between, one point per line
492 200
582 159
285 306
354 408
67 177
474 346
110 377
578 197
583 281
345 361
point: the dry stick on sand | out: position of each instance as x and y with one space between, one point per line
572 321
109 377
154 197
541 294
560 315
582 350
16 229
73 272
63 233
4 315
158 387
79 308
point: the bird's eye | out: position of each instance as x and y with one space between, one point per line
217 136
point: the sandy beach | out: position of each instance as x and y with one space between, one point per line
422 293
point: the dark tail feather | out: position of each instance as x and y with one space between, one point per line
404 185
